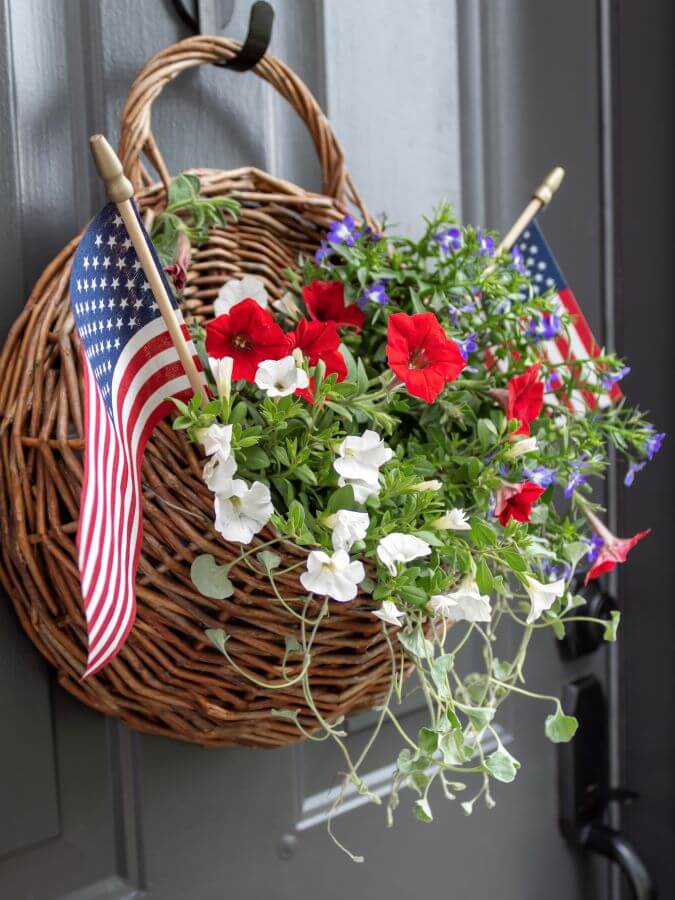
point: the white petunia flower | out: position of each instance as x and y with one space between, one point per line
398 547
348 527
362 489
390 613
216 439
219 472
444 607
241 511
280 377
333 576
521 447
452 520
469 604
236 290
221 369
542 596
360 458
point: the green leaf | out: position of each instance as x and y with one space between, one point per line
432 539
183 189
427 740
217 637
575 551
483 577
210 579
513 559
609 633
501 765
269 560
404 761
255 459
343 498
480 716
423 810
293 645
481 533
487 433
560 728
439 670
415 643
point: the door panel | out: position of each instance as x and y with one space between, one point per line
463 102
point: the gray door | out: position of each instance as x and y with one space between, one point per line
473 102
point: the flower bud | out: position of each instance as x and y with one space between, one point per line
433 485
520 448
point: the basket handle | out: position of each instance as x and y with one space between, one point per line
136 136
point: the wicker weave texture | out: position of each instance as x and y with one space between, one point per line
168 679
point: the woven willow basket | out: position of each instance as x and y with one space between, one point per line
168 679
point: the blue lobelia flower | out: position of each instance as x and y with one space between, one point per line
633 469
577 477
376 293
343 231
449 239
654 442
322 254
544 328
542 475
613 378
594 547
468 345
518 261
486 243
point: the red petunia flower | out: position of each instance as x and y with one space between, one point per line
515 501
249 335
421 354
325 302
318 341
525 398
614 550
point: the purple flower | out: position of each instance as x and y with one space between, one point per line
486 243
633 469
518 261
542 475
613 378
543 328
322 253
555 571
553 382
371 235
376 293
343 231
449 239
594 546
456 311
468 345
576 478
654 442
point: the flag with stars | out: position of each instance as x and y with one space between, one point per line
131 369
573 344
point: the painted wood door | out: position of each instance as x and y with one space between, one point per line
471 102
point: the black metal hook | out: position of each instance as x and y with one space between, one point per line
256 43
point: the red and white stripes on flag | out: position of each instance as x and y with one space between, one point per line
573 343
131 369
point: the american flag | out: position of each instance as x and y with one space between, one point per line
130 370
577 341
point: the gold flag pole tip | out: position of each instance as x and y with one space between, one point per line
549 185
117 186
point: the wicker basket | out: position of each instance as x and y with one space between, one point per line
168 679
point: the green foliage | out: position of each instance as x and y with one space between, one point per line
210 579
188 212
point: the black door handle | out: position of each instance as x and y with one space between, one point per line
584 791
611 843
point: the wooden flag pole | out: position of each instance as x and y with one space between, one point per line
120 191
540 198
